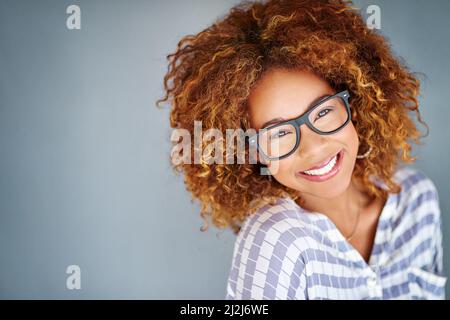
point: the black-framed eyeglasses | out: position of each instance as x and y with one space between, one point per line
327 116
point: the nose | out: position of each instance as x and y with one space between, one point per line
312 144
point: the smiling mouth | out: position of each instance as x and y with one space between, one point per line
323 163
327 171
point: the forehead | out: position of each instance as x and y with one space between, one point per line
284 94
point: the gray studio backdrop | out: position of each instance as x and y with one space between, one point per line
84 172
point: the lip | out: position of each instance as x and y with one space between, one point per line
330 174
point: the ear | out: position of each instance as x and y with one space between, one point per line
354 114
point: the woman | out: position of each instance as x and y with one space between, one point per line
338 216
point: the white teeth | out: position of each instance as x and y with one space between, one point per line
324 170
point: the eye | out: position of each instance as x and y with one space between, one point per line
280 134
322 113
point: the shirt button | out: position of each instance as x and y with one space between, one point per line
372 282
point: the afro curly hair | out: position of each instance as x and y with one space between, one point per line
211 74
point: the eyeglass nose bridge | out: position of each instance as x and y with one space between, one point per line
304 120
298 124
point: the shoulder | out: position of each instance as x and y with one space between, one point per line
414 181
278 234
418 201
267 261
416 187
279 223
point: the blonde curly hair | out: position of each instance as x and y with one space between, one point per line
211 74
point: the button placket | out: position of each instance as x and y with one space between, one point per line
373 284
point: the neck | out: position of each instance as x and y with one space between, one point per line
342 209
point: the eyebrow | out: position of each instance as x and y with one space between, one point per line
312 104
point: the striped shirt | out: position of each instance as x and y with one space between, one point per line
285 252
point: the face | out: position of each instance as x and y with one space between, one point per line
287 94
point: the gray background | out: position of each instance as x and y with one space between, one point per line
84 167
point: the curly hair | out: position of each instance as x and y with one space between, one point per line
211 74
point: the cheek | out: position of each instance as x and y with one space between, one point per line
282 169
351 139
